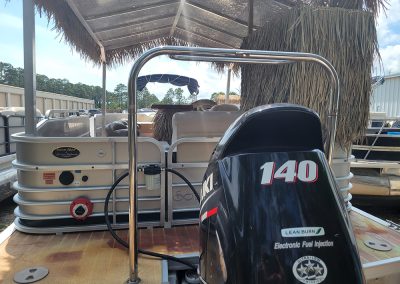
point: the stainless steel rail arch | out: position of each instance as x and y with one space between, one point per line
211 55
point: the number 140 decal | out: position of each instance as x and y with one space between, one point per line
305 171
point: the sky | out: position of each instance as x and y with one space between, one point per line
56 59
388 28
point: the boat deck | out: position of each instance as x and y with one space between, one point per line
91 257
95 257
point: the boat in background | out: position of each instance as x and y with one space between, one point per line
376 164
12 120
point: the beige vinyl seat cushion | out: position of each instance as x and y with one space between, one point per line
206 124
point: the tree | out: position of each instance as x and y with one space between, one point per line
121 95
15 77
112 102
180 99
214 96
116 100
10 75
97 96
169 97
145 99
175 96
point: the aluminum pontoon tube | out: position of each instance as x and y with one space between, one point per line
214 53
29 67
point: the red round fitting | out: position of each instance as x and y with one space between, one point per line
81 208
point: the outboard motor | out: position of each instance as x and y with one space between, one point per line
271 211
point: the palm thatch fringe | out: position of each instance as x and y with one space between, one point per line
70 28
373 6
347 38
74 34
163 125
125 54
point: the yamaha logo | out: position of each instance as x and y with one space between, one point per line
310 270
302 232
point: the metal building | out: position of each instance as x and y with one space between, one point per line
386 97
14 97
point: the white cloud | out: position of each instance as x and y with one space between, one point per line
391 59
388 30
387 33
13 54
10 21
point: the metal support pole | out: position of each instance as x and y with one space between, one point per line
250 19
104 101
228 85
132 148
29 67
209 55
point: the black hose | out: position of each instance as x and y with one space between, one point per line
116 237
123 242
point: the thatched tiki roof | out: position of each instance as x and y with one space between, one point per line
347 38
119 31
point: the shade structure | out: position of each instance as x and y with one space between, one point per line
104 30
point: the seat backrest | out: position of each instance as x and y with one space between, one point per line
96 121
145 116
73 126
225 107
195 135
204 124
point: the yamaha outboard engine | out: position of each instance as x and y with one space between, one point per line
271 211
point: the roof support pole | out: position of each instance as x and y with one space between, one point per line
177 17
250 19
29 67
104 99
228 84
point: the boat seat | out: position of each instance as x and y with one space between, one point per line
144 121
73 126
96 122
225 107
194 137
199 124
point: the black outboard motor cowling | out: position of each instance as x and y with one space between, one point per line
271 211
